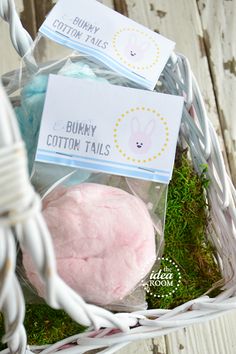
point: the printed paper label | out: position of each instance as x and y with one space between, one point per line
127 47
102 127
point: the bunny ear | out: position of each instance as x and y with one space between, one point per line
59 125
144 46
132 40
150 127
135 125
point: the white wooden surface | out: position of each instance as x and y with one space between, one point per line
219 28
182 24
204 31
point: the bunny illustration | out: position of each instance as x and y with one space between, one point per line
59 125
140 139
136 48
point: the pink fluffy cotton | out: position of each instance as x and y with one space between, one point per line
103 238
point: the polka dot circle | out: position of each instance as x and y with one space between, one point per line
121 149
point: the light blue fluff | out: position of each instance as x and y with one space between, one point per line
30 112
32 101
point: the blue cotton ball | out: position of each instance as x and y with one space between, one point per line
37 85
29 118
77 70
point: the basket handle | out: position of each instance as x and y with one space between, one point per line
20 38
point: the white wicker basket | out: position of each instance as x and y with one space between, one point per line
20 217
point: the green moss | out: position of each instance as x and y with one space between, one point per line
2 346
45 325
185 244
185 237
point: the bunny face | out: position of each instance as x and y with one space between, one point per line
135 48
140 139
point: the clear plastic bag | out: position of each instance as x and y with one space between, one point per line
150 196
51 181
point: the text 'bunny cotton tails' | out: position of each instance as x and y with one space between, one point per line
104 241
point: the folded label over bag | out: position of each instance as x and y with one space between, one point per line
127 47
103 127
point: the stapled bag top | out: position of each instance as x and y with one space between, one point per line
124 45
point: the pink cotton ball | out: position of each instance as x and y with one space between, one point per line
103 238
